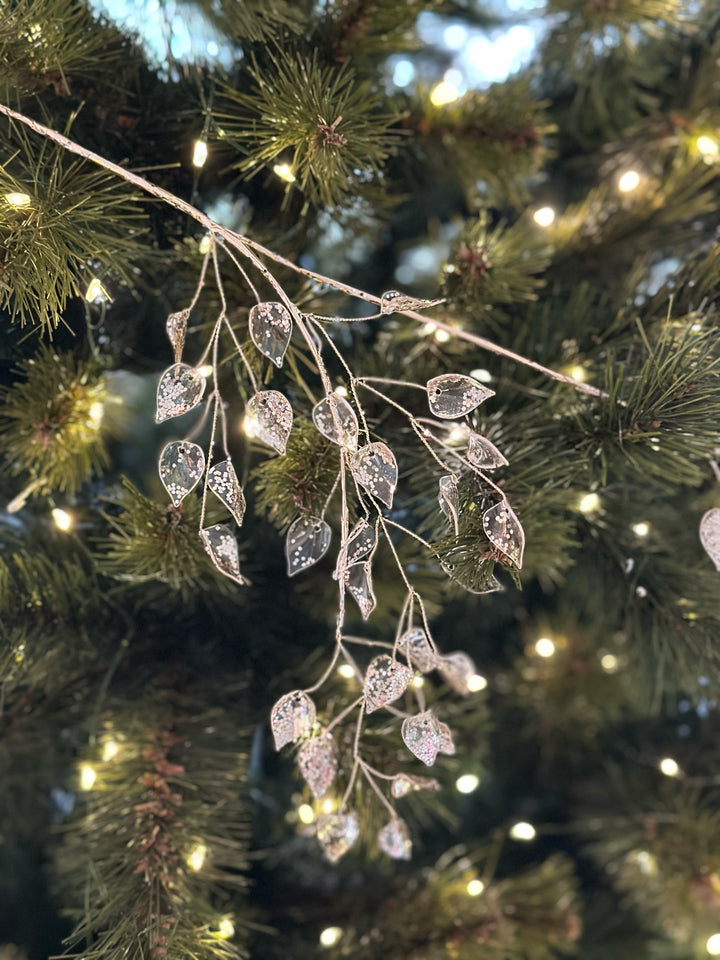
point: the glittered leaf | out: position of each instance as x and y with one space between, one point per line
449 500
269 417
453 395
483 454
180 466
710 535
220 543
393 301
335 419
504 530
358 579
394 840
223 482
292 717
360 541
176 328
318 763
270 326
385 681
456 670
404 783
180 389
421 735
447 746
415 647
306 542
374 468
337 832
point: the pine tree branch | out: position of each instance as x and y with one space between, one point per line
247 246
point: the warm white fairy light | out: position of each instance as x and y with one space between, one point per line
629 181
441 336
96 292
284 171
467 783
341 390
330 936
62 519
457 435
305 813
589 503
96 413
713 945
544 216
328 805
484 376
475 888
544 647
609 662
205 370
669 767
578 373
523 831
200 153
346 671
476 683
88 776
197 857
641 529
110 750
204 245
443 93
18 200
707 146
226 928
418 682
249 426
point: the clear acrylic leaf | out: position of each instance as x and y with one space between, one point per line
456 670
483 454
478 580
385 681
404 783
337 832
223 482
447 745
306 542
415 647
318 763
375 469
360 542
710 535
270 327
176 328
393 301
220 543
269 417
180 389
421 735
180 466
394 840
358 579
335 419
453 395
504 530
292 717
449 500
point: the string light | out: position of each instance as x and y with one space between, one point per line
329 805
544 647
629 181
200 153
284 171
418 682
305 813
226 929
609 663
62 519
205 370
713 945
18 200
197 856
522 831
441 336
341 390
249 426
475 888
669 767
578 373
204 245
467 783
96 413
544 217
641 529
96 291
346 671
707 146
330 936
88 776
110 750
589 503
443 93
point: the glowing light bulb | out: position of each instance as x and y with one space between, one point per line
341 390
629 181
284 171
418 682
200 153
467 783
226 928
18 200
523 831
249 426
330 936
578 373
707 146
609 663
544 217
589 503
443 93
305 813
97 292
346 671
197 856
713 945
669 767
204 245
475 888
110 750
484 376
88 776
441 336
328 805
476 682
205 370
62 519
641 529
544 647
457 435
